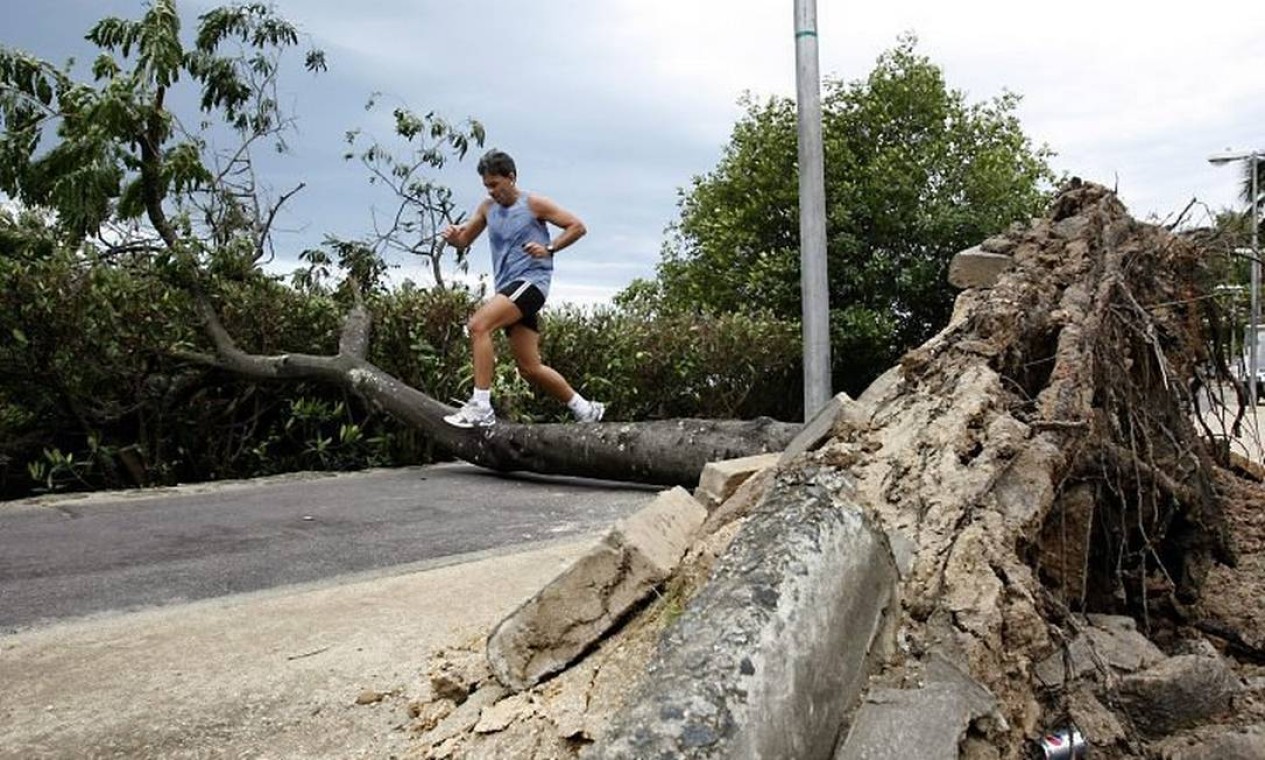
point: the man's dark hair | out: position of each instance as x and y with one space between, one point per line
497 163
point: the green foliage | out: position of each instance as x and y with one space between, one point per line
676 365
423 208
84 352
363 270
419 337
314 433
91 395
914 173
118 151
1250 186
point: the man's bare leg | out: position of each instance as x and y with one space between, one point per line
525 344
496 313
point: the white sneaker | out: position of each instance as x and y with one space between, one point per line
472 415
593 413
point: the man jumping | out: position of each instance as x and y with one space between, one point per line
522 267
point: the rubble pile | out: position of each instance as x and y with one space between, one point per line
1047 491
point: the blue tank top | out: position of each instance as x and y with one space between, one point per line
508 229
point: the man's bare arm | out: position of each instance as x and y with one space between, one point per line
463 235
572 228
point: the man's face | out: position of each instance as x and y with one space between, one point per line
500 188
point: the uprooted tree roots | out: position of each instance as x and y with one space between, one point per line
1040 452
1136 518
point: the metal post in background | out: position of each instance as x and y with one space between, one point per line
1256 280
812 212
1254 319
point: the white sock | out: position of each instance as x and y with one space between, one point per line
482 396
578 404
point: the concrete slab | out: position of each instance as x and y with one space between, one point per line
721 479
927 723
898 724
741 502
977 268
580 605
768 657
1106 642
821 427
1179 692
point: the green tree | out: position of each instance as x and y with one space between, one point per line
120 153
1258 184
914 173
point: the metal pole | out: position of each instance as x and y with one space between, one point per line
1253 359
812 212
1254 317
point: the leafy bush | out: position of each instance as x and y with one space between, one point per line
678 365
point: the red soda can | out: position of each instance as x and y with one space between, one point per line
1066 743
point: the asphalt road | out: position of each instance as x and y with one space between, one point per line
66 557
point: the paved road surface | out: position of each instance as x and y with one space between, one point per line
66 557
1219 417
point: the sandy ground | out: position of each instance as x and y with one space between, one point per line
274 674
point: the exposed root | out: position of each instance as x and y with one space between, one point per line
1040 451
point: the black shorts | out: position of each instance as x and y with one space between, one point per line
528 299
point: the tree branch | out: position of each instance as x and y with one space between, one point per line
665 452
264 229
354 340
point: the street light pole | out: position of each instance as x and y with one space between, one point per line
1252 157
814 287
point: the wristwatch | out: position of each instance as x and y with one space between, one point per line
550 248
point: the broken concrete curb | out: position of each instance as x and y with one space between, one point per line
722 478
1179 692
927 723
769 656
741 502
547 632
464 718
1106 641
821 427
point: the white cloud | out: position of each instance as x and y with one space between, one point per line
612 106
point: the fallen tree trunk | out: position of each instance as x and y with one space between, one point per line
662 452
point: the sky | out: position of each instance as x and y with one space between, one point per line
611 107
